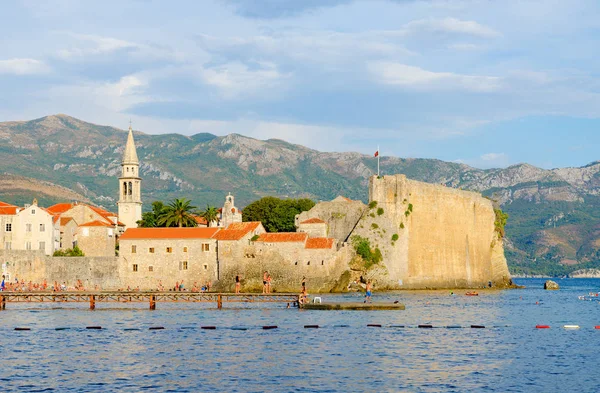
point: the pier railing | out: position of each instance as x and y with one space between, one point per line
151 298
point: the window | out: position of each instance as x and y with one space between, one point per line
183 265
322 263
151 250
28 246
133 249
42 246
27 227
32 211
8 227
135 267
205 247
150 268
130 188
205 267
127 169
169 250
308 263
124 188
184 249
42 227
8 245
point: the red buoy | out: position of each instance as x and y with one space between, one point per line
542 326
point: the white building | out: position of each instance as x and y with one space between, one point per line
27 228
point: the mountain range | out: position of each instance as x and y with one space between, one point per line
554 224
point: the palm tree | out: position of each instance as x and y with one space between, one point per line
150 219
178 213
211 214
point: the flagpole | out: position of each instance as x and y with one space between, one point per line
378 160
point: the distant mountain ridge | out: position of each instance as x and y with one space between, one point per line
553 228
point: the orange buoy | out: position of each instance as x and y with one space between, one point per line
542 326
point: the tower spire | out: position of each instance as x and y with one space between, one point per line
130 154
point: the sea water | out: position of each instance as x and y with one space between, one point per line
342 355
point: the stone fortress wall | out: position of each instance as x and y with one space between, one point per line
36 267
445 238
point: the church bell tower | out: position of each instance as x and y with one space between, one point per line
130 194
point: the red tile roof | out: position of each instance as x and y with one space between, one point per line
64 220
280 237
5 204
200 220
169 233
313 221
59 208
8 210
97 223
319 242
237 230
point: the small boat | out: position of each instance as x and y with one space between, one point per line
471 294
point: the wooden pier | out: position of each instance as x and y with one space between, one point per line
93 297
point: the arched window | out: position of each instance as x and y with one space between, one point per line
127 169
130 188
124 188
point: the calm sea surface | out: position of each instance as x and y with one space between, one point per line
344 355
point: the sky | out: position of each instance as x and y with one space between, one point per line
483 82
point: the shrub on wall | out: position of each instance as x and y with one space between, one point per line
395 237
379 211
362 246
372 204
500 222
74 252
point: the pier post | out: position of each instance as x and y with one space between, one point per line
219 301
92 302
152 302
2 303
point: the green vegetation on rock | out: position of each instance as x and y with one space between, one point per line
395 237
362 246
372 204
379 211
500 222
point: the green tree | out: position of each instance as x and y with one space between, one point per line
178 214
150 219
277 215
211 214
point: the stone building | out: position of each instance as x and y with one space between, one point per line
315 227
27 228
149 255
234 243
92 229
229 214
339 215
96 238
130 183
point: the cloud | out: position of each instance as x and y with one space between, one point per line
84 46
235 79
23 67
462 46
450 26
493 156
269 9
397 74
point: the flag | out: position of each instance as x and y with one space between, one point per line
376 153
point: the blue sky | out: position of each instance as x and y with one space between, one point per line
486 83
